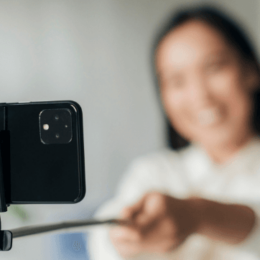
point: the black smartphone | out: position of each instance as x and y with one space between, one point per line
42 152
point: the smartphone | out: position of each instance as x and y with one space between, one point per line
42 152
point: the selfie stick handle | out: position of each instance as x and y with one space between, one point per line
6 237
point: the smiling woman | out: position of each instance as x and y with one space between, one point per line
206 88
220 54
202 201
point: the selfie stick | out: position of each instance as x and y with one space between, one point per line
37 229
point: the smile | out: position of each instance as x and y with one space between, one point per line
208 117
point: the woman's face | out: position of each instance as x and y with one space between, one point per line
205 86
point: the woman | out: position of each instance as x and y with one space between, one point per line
203 200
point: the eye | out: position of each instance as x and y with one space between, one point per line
215 66
174 82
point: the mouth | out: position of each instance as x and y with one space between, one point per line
209 116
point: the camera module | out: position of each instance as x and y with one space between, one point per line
55 126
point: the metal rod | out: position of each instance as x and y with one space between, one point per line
37 229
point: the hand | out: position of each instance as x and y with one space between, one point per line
157 223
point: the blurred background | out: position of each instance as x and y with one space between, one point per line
97 53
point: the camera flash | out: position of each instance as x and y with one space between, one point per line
46 127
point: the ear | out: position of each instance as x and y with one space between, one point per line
252 77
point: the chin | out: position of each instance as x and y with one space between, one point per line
217 136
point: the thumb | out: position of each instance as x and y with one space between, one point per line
134 210
153 207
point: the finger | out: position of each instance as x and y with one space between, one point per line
155 203
147 210
125 234
126 213
154 206
128 249
163 246
131 211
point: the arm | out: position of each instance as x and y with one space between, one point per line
159 223
230 223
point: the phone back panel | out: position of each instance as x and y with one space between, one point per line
43 173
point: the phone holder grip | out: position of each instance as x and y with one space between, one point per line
6 240
6 237
3 206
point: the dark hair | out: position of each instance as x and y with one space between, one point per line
234 35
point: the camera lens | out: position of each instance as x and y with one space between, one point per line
56 117
57 136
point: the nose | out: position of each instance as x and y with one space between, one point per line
200 94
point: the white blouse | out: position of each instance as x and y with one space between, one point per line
183 174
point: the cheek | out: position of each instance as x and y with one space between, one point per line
176 109
230 90
225 83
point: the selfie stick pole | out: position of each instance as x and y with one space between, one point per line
38 229
6 237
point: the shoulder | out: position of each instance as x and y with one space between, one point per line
163 160
160 157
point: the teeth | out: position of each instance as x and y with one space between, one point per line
209 117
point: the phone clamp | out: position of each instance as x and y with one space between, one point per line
6 236
6 239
